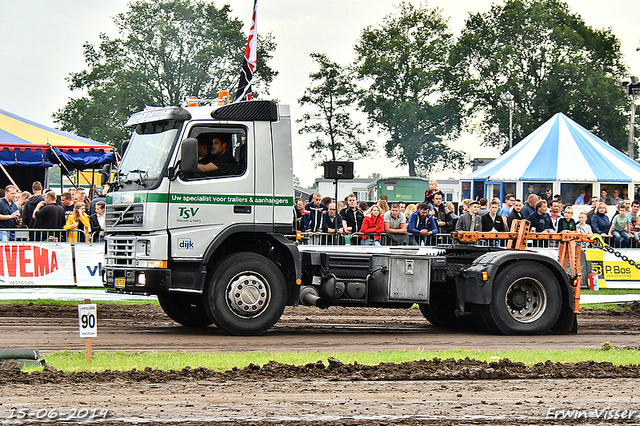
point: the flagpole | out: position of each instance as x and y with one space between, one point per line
250 61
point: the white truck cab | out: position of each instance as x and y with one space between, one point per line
169 226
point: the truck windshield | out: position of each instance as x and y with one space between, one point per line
147 152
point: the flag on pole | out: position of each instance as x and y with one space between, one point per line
250 61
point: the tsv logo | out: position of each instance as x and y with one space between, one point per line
187 212
185 244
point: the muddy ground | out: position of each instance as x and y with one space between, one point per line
328 392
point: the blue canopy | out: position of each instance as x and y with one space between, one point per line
561 150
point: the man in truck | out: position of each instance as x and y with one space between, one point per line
222 161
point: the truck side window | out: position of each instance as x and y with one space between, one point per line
221 152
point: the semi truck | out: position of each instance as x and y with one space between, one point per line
215 247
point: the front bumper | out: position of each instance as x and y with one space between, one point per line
136 281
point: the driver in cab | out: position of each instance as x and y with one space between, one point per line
214 154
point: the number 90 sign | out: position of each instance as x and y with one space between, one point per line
87 318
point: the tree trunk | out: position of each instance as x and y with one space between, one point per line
412 167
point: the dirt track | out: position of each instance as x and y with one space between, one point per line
428 392
146 328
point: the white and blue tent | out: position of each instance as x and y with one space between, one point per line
561 155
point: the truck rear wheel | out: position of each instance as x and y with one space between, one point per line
440 311
246 294
526 299
185 309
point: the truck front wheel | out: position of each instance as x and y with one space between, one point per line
526 299
185 309
246 294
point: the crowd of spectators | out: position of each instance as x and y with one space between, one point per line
73 218
325 221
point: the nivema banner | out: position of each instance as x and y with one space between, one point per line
37 264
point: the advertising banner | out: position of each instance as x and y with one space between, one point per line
36 264
89 258
614 272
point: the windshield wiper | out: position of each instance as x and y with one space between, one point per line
140 180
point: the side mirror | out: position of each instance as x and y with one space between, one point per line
189 157
105 174
123 147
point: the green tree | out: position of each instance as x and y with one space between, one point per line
333 93
166 50
403 63
551 62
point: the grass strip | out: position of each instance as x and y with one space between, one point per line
123 361
54 302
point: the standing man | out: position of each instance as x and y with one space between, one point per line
49 215
96 221
540 219
333 225
484 207
352 215
530 206
444 221
9 214
492 221
395 225
516 213
470 221
509 201
555 215
31 204
66 199
316 217
21 200
298 214
421 224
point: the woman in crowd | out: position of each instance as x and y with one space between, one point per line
409 210
373 222
600 223
78 220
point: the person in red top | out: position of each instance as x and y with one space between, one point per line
374 222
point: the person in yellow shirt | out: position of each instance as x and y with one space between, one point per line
77 221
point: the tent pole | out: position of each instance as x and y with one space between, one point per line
62 165
93 183
93 176
10 178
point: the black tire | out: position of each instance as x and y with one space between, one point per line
440 311
526 299
447 318
185 309
246 294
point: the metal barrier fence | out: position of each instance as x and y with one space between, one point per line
50 235
385 239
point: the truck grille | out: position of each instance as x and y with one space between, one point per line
129 215
120 251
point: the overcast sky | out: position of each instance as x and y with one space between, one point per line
41 43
